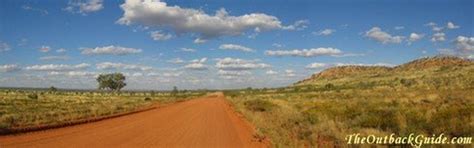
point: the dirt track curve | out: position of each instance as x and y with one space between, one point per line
203 122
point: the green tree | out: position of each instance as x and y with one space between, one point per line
53 89
112 81
175 91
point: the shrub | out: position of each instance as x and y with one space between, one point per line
258 105
33 96
147 99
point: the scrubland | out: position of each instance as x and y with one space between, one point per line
23 108
426 96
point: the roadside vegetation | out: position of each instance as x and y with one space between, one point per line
30 108
427 96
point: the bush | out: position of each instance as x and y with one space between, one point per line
33 96
147 99
259 105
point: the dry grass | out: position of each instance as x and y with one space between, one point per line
30 108
321 112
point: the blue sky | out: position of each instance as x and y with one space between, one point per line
219 44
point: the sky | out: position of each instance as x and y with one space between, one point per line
219 44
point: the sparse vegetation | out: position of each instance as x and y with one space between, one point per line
31 108
418 97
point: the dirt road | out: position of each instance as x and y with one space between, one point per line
204 122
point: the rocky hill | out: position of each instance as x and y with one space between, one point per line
428 65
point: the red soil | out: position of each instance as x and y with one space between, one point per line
204 122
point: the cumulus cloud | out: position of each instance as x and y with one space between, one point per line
271 72
197 64
290 73
61 50
239 64
399 27
305 52
110 50
46 58
298 25
378 35
159 36
9 68
464 43
187 20
415 37
4 46
325 32
175 61
451 25
121 66
58 67
233 73
316 65
431 24
44 48
84 6
172 74
73 73
235 47
438 37
188 49
437 29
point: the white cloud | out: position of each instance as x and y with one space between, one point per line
304 52
110 50
415 37
54 58
451 25
73 73
175 61
399 27
431 24
84 6
159 36
290 73
172 74
363 64
277 45
325 32
187 20
58 67
438 37
235 47
118 66
297 26
188 49
44 48
233 73
197 64
437 29
271 72
464 43
349 55
4 46
61 50
447 51
29 8
9 68
316 65
239 64
377 34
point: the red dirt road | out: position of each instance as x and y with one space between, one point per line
204 122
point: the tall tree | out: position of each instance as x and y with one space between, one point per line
112 81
